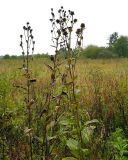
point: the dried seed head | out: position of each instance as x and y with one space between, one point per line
59 10
21 36
52 58
75 20
29 27
65 14
21 44
31 36
57 21
31 30
82 25
63 30
65 33
59 32
52 14
72 13
24 28
51 20
64 19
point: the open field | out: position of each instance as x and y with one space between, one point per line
100 123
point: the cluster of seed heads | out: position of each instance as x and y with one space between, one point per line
79 33
27 40
62 27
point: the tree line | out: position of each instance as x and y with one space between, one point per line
117 47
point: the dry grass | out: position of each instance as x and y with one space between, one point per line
102 88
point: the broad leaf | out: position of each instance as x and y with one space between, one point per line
69 158
92 121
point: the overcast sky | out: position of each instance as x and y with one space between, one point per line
101 17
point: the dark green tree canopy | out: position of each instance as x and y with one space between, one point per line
121 46
112 39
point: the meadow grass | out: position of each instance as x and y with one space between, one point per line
101 88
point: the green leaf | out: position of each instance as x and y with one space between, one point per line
87 132
72 144
66 122
50 125
85 152
69 158
74 147
92 121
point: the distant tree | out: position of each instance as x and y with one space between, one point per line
121 46
6 56
113 39
42 55
92 51
107 53
13 57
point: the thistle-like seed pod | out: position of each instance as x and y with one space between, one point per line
59 32
72 13
29 27
24 28
52 58
57 21
82 25
59 10
64 19
75 20
65 33
21 36
51 20
52 14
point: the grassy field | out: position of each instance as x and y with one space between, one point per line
97 130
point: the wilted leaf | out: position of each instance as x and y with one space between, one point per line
49 67
27 131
